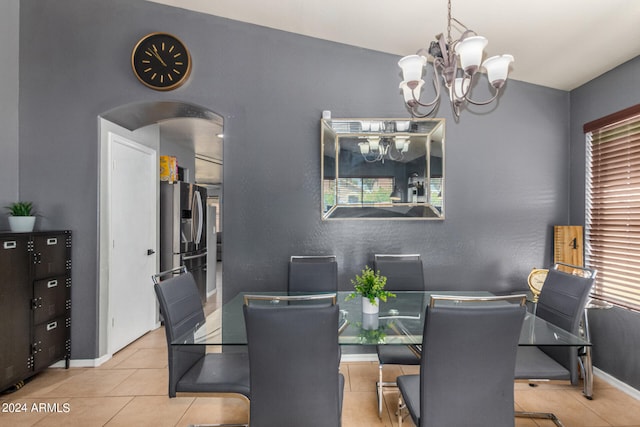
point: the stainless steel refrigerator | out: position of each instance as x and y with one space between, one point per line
183 230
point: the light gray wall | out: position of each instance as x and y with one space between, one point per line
9 29
507 171
615 332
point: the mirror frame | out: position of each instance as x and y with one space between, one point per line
429 130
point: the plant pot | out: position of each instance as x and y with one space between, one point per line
22 224
368 308
370 321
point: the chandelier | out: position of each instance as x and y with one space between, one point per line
458 62
376 149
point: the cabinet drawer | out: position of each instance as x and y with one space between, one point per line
50 255
51 342
51 298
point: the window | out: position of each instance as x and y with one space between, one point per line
364 190
612 208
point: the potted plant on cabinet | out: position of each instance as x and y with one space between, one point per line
370 286
21 217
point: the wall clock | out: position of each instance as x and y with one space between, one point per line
161 61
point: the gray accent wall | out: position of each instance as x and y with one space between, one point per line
615 332
9 28
507 168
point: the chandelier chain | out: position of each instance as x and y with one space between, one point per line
449 39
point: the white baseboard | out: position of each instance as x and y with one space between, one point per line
83 363
622 386
365 357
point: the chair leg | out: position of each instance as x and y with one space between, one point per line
587 371
401 407
380 385
379 389
540 416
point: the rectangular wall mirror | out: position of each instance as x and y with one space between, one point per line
382 168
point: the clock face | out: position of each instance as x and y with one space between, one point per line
536 279
161 61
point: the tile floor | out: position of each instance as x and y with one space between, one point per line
131 389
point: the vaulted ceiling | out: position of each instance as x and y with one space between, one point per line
560 44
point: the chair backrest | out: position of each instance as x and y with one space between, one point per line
181 308
315 299
293 359
313 273
404 272
562 302
468 363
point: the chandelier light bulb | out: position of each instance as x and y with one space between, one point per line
400 142
470 51
497 69
412 66
364 147
461 88
374 143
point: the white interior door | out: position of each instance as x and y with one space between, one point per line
132 231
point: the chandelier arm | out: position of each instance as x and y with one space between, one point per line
416 113
446 57
376 159
416 99
466 32
456 111
471 101
428 104
389 150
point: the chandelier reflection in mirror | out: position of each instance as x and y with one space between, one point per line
458 62
376 149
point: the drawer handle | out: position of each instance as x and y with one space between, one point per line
52 325
52 283
10 244
52 241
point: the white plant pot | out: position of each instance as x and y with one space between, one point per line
368 308
22 224
370 321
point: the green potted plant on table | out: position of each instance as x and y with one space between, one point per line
370 286
21 217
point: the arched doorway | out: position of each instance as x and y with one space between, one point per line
194 135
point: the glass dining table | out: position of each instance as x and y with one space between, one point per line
400 321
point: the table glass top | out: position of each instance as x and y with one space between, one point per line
400 321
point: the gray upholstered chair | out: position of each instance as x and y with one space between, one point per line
313 273
293 356
404 272
467 365
562 302
191 370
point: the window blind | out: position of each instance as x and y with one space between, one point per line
612 208
360 190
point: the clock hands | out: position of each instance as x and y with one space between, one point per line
155 53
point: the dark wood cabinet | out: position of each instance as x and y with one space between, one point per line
35 303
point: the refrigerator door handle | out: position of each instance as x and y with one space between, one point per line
186 258
197 222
